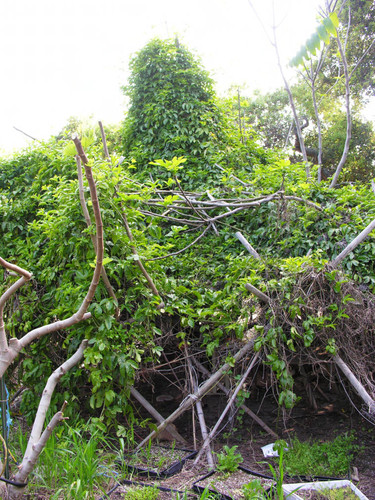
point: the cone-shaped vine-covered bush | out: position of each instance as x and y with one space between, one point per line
172 110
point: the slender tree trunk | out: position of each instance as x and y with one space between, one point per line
348 116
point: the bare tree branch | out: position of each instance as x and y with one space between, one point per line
86 214
353 244
348 115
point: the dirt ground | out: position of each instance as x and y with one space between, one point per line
334 415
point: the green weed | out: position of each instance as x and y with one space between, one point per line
142 493
72 465
329 458
228 459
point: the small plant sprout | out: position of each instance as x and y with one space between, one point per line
228 459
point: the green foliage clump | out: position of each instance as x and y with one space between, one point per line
174 112
142 493
317 458
200 280
172 109
73 464
228 459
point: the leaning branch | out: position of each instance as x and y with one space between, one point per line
363 235
229 404
93 239
355 383
198 394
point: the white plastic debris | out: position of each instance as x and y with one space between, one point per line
269 451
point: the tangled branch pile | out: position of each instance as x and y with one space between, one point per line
317 315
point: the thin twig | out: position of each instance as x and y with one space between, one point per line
27 135
184 249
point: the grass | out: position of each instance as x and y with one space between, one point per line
142 493
73 465
316 458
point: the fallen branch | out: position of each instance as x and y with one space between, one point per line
356 384
198 394
201 419
183 249
229 404
247 410
170 429
262 296
247 245
362 236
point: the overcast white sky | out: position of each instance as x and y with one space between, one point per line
62 58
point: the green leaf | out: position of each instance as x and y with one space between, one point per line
329 26
334 19
313 43
69 150
109 397
323 34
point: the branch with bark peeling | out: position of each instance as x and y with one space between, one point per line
87 217
9 350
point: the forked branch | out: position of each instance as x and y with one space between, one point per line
8 351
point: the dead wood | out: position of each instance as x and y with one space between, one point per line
247 245
233 397
262 296
356 384
201 419
170 432
247 410
199 393
352 245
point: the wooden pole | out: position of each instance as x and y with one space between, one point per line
171 429
247 410
356 384
201 419
198 394
230 402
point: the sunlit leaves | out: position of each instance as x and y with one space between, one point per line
325 30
